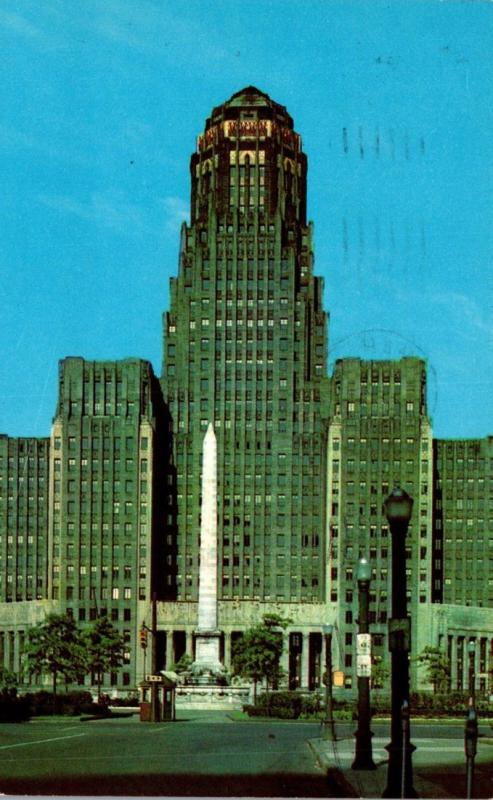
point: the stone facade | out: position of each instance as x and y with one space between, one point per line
106 513
463 510
93 535
245 348
24 496
379 437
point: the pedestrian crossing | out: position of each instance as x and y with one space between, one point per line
342 751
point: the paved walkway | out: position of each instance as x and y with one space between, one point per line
438 767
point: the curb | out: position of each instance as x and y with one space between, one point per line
334 775
339 779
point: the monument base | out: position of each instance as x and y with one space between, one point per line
207 668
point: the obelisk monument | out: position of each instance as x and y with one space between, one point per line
207 636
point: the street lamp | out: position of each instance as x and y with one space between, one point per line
471 746
398 509
471 649
155 706
363 753
329 716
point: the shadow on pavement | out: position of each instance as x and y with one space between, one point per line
452 778
267 785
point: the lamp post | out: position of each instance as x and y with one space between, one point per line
363 758
398 508
471 649
329 716
470 746
155 709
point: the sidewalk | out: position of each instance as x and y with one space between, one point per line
336 758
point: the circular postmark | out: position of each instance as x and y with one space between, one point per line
376 344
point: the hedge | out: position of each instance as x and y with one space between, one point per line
70 704
294 705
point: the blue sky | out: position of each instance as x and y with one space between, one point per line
101 103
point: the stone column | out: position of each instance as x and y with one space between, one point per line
189 643
285 654
489 666
453 663
227 649
8 658
169 649
21 638
305 660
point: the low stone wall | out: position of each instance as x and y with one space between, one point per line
212 697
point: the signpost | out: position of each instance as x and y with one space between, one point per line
363 655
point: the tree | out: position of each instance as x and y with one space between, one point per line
183 664
257 655
438 667
8 679
56 646
104 649
379 673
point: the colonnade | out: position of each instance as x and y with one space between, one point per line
468 664
302 659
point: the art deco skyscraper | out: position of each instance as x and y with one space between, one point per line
245 348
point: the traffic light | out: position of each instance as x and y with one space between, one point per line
143 637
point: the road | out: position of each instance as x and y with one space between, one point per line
208 754
195 756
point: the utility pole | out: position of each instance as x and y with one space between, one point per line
155 715
329 713
363 752
398 509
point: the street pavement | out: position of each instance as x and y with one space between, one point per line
200 754
439 766
208 754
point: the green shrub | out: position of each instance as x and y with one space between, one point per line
294 705
311 705
69 704
123 702
254 711
344 713
284 705
453 703
380 705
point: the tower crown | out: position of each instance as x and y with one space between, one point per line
249 162
251 96
250 103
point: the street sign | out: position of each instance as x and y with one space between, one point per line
363 666
363 644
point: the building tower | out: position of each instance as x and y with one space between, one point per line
245 349
104 497
380 437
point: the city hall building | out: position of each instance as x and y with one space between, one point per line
105 514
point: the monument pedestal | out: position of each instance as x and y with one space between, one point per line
207 667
